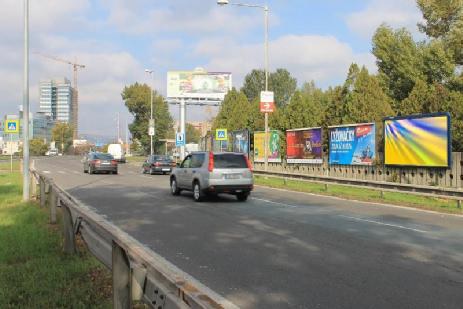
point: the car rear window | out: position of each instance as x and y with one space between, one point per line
103 156
161 158
229 160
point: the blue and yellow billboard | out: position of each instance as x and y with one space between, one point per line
422 140
352 144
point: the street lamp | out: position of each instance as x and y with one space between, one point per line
151 124
266 10
26 158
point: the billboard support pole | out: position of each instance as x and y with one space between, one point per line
26 180
182 126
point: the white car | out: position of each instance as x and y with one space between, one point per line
52 152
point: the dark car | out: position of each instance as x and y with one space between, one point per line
99 162
158 164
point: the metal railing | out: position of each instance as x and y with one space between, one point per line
138 273
381 186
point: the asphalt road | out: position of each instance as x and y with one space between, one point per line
283 249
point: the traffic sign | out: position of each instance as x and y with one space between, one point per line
221 135
151 131
11 126
267 102
180 139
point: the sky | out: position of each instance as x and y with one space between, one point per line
117 39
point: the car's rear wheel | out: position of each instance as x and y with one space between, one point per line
151 171
198 194
242 197
90 170
174 187
115 172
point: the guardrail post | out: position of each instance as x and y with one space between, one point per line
33 186
326 187
138 280
69 244
459 204
53 203
122 289
381 194
42 192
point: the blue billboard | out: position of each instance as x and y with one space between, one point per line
352 144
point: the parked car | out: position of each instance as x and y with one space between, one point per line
99 162
117 151
206 173
158 164
52 152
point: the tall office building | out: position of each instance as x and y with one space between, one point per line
56 99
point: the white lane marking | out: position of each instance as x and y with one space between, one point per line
272 202
386 224
441 214
76 172
46 172
62 172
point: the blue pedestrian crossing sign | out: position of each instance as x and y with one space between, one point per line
221 134
11 126
180 139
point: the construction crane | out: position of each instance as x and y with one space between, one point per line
75 102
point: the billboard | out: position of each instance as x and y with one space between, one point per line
240 141
422 140
198 85
352 144
273 147
304 146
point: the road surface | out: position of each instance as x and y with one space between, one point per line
283 249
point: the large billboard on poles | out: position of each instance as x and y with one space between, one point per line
304 146
352 144
198 84
420 140
240 141
273 147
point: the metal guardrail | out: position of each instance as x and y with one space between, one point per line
139 274
382 186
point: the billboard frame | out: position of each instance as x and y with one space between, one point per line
305 129
348 126
419 116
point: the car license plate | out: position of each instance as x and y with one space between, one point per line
232 176
105 163
166 169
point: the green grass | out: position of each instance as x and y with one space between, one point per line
5 166
362 194
34 273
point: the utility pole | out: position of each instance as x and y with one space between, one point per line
26 159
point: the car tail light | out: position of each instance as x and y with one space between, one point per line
157 164
96 162
248 163
113 162
211 162
174 164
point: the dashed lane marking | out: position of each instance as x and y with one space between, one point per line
382 223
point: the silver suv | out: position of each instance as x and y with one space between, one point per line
212 173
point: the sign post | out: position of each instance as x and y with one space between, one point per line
11 127
221 135
267 105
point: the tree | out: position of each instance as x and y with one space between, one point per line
303 111
62 135
234 113
440 16
280 82
398 61
37 147
192 134
366 102
138 101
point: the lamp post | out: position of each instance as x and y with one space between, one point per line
26 158
266 12
151 124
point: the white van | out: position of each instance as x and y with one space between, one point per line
117 151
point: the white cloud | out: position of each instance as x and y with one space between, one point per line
309 57
396 13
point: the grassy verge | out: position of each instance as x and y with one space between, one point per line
6 167
34 273
369 195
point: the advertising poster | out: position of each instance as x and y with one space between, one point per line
206 85
352 144
422 141
240 141
273 149
304 146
